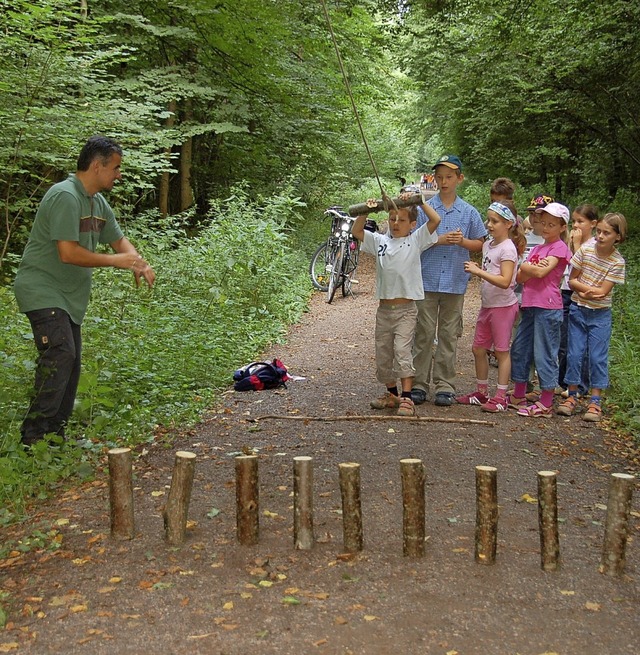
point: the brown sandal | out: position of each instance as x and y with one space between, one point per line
593 413
406 407
567 407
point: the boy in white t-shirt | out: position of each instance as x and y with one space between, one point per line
398 286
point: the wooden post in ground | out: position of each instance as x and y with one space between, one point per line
247 500
121 493
303 503
351 507
177 509
617 524
548 520
413 507
486 514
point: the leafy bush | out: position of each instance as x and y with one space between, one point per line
156 358
624 394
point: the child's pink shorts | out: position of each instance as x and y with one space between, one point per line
494 327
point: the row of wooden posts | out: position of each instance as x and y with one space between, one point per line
413 505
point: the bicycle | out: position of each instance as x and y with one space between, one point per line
334 263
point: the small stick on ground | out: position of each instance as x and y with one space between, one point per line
486 514
177 509
372 417
247 500
121 493
303 502
617 524
548 520
351 507
413 530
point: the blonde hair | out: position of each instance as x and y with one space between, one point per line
618 222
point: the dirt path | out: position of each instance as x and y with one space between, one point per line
84 593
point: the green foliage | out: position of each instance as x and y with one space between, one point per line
154 359
514 93
624 394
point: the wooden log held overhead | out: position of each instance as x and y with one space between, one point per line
177 509
616 527
363 208
121 493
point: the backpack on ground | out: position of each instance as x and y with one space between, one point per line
261 375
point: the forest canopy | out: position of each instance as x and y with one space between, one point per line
208 93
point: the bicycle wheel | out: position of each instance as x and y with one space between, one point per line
349 267
318 268
335 276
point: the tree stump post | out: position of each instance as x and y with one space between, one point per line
548 520
121 493
303 503
247 499
177 509
351 506
486 514
617 524
413 507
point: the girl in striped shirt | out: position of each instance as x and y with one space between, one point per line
596 268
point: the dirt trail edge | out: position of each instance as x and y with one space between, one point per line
86 593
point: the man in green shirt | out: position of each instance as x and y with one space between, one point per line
53 283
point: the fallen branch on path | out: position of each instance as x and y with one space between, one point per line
372 417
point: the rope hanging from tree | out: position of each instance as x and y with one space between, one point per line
385 198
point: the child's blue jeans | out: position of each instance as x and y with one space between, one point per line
589 331
537 340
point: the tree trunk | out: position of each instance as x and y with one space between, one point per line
303 503
177 509
617 524
121 493
548 521
486 514
247 500
186 157
163 190
413 507
351 507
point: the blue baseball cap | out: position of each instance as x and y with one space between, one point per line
450 161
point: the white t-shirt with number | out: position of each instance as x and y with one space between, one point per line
398 271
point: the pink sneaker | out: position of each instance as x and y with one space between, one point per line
495 404
475 398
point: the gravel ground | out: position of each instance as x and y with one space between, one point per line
212 595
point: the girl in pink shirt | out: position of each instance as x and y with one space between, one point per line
499 305
538 335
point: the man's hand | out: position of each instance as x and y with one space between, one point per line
147 273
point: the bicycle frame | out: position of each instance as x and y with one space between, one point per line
341 253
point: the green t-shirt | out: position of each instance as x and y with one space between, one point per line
66 213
